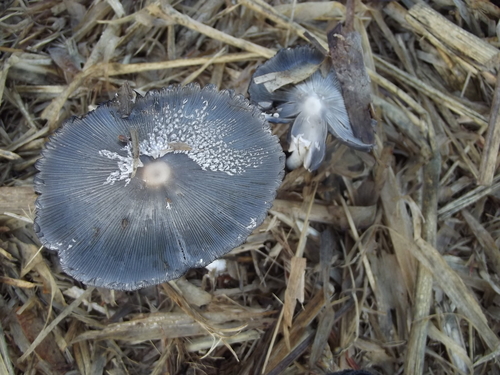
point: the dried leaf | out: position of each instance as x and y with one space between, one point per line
347 59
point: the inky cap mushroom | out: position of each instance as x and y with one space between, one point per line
135 200
315 104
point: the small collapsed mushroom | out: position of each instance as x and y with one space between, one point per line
137 198
295 85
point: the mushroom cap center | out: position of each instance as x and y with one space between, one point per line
155 174
313 105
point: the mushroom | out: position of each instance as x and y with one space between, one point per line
136 199
295 86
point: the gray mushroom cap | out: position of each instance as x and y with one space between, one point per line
124 215
315 105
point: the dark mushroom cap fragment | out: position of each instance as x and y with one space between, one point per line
315 105
138 200
286 60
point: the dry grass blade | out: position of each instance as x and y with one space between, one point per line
325 325
399 222
297 332
205 343
218 333
295 288
175 324
52 112
436 95
299 349
456 290
18 283
453 348
423 287
68 310
363 217
273 14
468 198
454 36
9 155
490 153
312 10
16 200
4 72
296 283
487 242
5 364
213 33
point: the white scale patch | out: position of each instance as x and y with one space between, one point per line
253 224
206 144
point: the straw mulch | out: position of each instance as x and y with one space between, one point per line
387 261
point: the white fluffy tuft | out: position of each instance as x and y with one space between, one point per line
312 105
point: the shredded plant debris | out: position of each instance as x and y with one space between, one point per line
386 261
